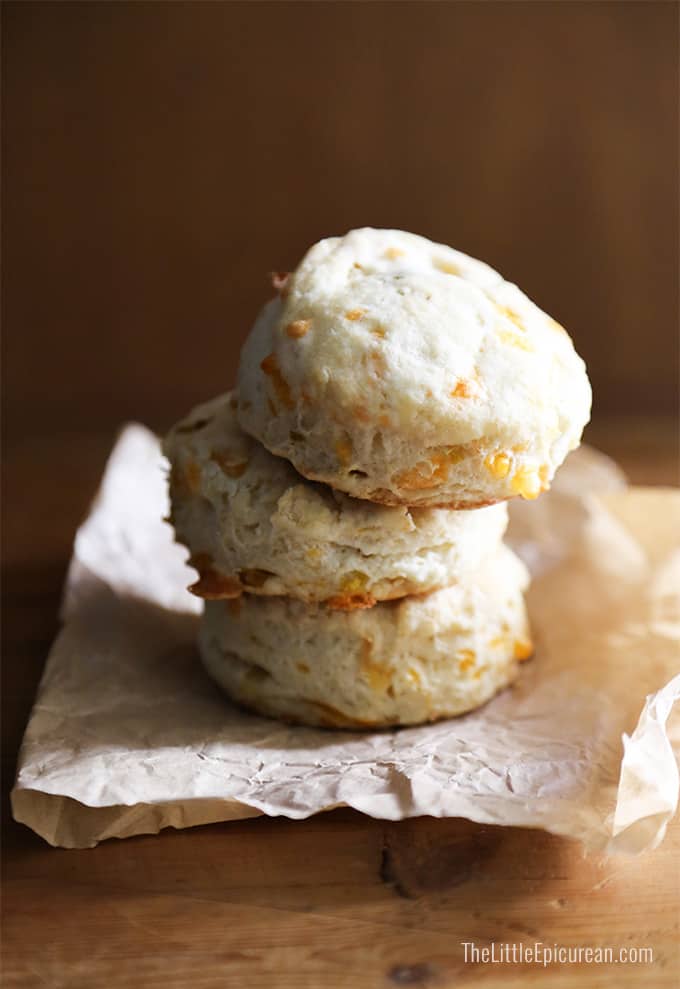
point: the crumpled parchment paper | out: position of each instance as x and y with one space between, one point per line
128 735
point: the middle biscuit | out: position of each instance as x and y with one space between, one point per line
252 523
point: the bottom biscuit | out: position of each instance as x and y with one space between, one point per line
404 662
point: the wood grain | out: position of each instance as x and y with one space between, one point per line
339 900
286 904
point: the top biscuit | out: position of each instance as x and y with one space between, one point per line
405 372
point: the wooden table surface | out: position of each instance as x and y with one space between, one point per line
337 900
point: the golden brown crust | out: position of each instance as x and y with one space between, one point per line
381 496
228 463
327 716
212 585
331 717
186 480
254 578
351 602
215 586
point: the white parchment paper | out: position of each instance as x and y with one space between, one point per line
128 735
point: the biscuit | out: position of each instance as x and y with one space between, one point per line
400 663
404 372
252 523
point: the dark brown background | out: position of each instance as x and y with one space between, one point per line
161 158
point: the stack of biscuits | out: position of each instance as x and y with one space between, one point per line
345 506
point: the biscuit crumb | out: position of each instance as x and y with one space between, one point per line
281 282
355 314
392 253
